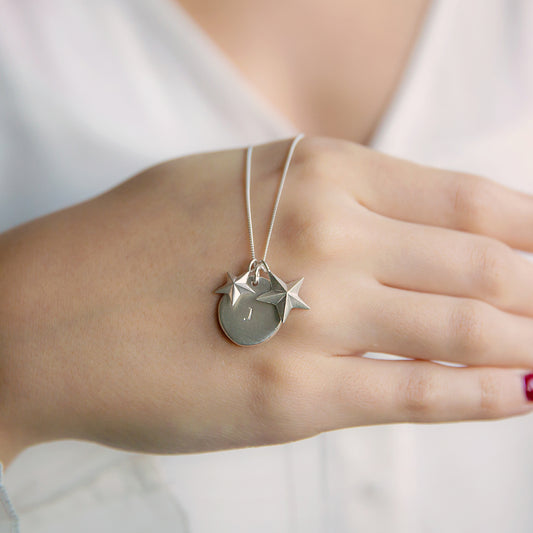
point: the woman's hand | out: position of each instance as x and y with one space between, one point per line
108 328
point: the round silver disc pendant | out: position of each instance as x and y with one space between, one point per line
249 322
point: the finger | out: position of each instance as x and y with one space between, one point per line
443 261
407 191
444 328
368 391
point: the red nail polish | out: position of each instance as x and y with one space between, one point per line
528 383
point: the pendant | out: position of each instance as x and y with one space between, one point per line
253 307
244 319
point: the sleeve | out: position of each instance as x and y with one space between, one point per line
9 522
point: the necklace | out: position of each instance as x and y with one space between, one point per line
253 306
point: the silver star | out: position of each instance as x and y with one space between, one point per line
235 286
284 296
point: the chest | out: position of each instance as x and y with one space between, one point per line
329 67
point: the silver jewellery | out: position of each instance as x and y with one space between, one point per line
253 307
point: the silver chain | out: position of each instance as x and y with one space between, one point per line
256 264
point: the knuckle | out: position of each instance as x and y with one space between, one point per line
278 394
310 221
319 150
419 394
315 158
491 401
469 329
381 166
472 203
321 159
491 267
314 232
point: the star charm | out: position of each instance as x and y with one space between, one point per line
284 296
235 286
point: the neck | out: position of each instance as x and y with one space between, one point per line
329 67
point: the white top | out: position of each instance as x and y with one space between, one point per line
92 91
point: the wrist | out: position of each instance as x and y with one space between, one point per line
15 329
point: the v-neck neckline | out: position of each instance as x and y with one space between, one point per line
231 79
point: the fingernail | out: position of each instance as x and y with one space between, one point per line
528 386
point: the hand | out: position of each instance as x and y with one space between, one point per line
108 327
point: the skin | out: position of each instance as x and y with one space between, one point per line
304 77
108 328
330 67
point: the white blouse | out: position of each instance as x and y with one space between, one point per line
92 91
